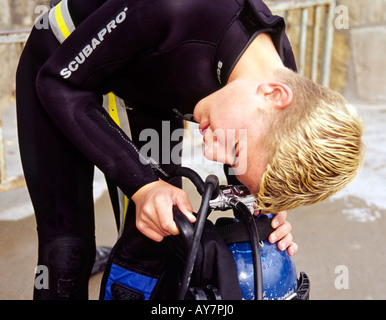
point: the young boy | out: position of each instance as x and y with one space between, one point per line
228 61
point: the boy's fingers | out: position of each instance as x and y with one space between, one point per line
292 249
282 231
165 218
285 242
186 208
279 219
150 232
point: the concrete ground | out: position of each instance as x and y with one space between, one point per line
340 240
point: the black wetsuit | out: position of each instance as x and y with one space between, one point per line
158 56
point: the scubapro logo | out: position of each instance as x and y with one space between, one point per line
219 66
92 45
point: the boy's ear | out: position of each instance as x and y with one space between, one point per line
278 94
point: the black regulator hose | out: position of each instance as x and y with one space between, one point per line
210 189
255 244
192 176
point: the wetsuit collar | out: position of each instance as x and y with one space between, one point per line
247 25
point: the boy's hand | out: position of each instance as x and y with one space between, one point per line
282 235
154 209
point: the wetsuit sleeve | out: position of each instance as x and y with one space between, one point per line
106 41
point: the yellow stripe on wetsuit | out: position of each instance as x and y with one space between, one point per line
61 22
113 111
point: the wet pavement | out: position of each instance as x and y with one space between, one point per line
340 240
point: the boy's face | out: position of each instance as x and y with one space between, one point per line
233 130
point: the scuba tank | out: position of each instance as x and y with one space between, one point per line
278 277
279 272
278 269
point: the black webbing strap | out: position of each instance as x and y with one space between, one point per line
236 231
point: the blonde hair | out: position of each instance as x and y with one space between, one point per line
316 147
